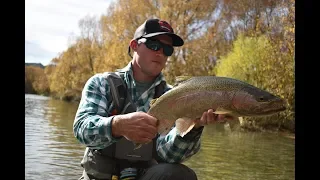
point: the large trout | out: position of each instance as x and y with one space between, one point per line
188 100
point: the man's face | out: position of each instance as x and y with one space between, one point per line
152 62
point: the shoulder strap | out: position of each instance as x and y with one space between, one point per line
117 89
120 96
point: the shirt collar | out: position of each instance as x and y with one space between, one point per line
129 73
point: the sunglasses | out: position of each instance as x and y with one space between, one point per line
156 45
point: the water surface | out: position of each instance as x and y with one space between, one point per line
52 152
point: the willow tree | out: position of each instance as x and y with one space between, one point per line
76 65
60 84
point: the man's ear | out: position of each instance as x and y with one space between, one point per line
134 44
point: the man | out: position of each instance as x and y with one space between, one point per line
107 134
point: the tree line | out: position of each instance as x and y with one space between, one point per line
251 40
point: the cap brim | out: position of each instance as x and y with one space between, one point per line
176 40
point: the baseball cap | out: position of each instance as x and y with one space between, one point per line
155 27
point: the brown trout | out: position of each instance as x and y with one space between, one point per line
188 100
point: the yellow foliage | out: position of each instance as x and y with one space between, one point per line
36 80
209 30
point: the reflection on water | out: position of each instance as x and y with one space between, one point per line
244 156
53 153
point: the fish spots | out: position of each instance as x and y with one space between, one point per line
195 97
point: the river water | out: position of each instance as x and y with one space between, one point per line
52 152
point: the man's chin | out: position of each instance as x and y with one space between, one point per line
156 67
154 72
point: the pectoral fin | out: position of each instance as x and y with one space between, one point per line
220 110
184 125
235 124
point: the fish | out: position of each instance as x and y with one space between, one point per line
193 95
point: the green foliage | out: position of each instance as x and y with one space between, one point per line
261 63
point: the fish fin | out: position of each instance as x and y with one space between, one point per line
220 110
184 125
234 125
153 101
181 79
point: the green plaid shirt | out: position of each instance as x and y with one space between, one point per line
92 124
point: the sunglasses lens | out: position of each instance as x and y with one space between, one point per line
167 50
156 46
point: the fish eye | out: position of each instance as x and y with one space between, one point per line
261 98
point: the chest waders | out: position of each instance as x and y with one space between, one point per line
103 163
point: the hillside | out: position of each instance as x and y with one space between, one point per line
35 64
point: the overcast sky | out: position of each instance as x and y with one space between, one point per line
50 23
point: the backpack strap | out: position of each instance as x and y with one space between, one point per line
121 99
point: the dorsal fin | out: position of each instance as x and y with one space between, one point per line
181 79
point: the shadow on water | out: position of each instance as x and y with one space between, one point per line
52 152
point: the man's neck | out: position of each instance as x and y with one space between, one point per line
140 76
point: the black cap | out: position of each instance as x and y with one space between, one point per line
154 27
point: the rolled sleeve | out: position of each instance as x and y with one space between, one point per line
92 126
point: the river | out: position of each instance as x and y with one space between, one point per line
52 152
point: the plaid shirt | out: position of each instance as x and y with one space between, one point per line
92 124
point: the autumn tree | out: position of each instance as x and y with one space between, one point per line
36 80
251 39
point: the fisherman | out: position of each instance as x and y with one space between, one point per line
110 132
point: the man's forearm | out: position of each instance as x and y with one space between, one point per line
116 126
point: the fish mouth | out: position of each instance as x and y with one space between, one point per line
273 111
274 107
266 109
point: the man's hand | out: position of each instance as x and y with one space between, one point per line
208 117
138 127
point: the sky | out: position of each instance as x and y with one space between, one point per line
50 23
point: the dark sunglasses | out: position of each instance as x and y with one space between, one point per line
156 45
